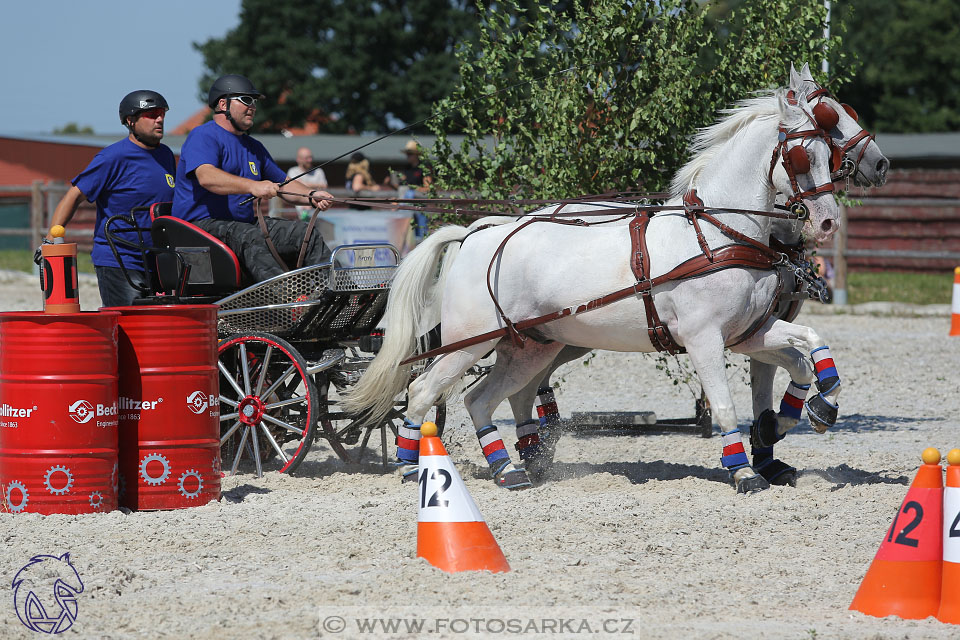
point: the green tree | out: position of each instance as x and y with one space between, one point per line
910 76
364 65
72 129
642 77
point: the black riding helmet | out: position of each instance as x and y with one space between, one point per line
231 85
141 100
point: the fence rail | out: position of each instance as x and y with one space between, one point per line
911 231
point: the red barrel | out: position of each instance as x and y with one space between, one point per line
169 406
58 412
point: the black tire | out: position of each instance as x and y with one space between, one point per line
264 377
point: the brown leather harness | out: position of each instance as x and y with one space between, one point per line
751 255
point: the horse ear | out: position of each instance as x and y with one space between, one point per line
795 80
805 73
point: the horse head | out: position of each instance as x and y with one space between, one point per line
801 163
862 160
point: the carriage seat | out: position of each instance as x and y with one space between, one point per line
214 267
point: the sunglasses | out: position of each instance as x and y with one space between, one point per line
153 114
247 101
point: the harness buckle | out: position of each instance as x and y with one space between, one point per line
646 291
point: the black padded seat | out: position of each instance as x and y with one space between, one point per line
214 268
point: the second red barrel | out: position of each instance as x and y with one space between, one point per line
169 406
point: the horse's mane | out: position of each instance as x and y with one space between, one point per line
769 104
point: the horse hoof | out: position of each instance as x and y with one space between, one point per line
515 480
822 413
786 479
753 483
763 431
777 472
408 471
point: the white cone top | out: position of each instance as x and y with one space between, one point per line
951 524
955 301
441 494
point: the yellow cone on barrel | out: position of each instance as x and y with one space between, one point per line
59 282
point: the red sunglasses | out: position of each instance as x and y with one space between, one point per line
153 114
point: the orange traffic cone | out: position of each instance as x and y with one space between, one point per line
451 533
955 304
949 593
904 578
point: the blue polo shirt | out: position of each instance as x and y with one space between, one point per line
239 155
119 178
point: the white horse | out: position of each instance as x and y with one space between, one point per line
547 267
862 162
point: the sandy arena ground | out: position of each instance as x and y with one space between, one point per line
634 536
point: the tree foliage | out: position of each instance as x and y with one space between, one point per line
73 129
350 66
606 99
909 80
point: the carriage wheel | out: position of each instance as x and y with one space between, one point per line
268 404
358 443
704 416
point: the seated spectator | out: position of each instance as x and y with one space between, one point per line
358 175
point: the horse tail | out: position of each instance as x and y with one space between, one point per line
431 316
414 293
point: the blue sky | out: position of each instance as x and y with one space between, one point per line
72 61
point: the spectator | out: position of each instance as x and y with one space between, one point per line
358 175
134 172
414 177
315 179
221 166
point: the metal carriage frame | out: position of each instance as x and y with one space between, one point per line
288 346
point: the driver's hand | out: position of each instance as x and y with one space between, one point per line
264 189
322 200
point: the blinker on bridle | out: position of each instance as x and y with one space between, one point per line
796 161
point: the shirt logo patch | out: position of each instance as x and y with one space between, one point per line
253 168
170 180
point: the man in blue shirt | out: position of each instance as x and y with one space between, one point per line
221 166
134 172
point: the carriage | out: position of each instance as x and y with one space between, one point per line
288 346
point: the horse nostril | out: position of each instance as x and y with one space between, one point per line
882 166
826 226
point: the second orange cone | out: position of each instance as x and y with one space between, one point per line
950 594
451 532
955 304
904 578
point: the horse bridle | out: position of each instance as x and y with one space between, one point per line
848 166
796 161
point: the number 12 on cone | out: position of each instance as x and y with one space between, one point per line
443 496
914 534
